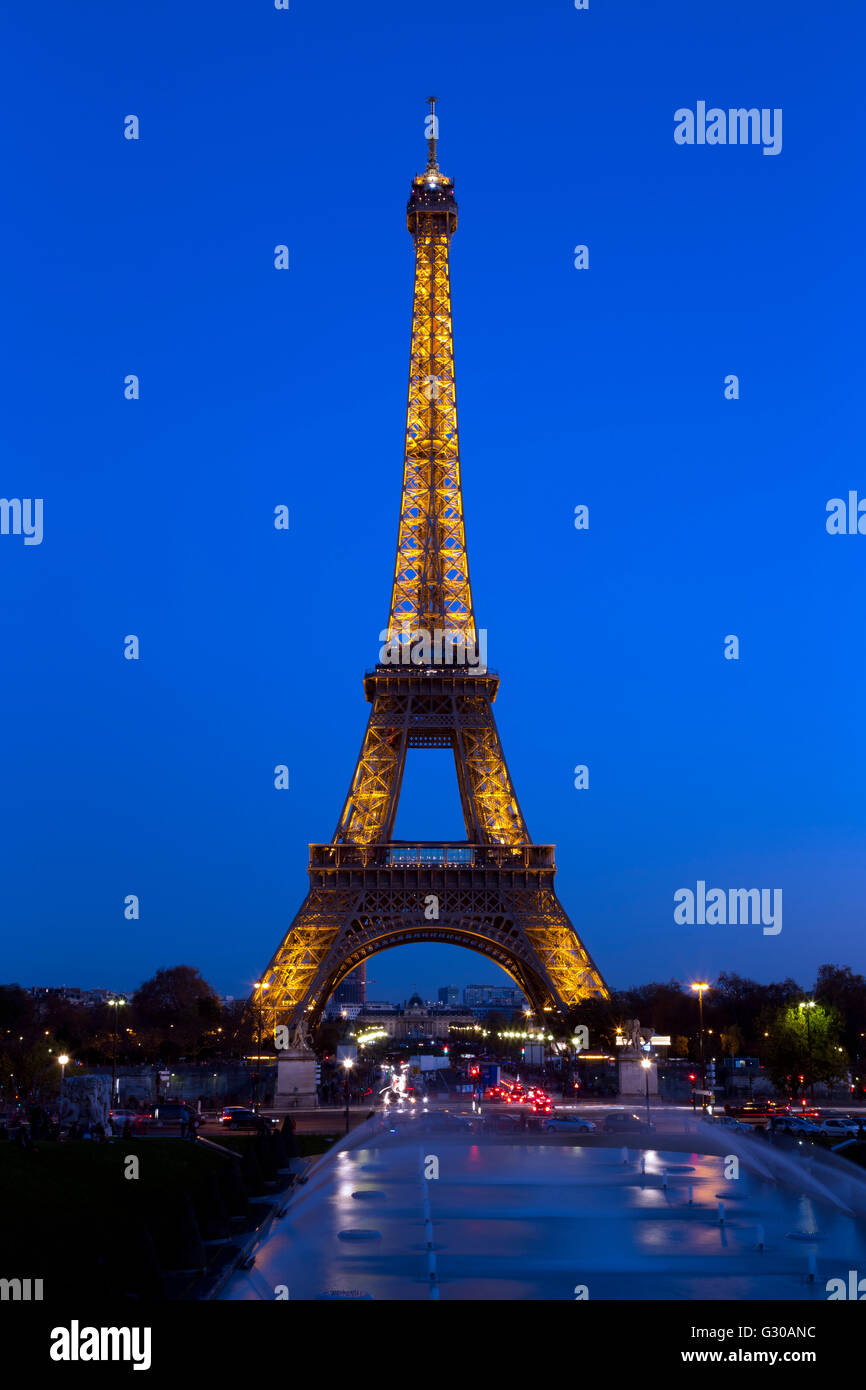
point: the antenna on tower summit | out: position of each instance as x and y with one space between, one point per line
432 124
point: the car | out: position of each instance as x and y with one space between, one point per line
138 1119
620 1123
503 1119
756 1112
241 1117
839 1126
798 1124
570 1124
541 1106
171 1116
729 1122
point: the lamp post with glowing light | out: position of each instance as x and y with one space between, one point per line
62 1059
807 1005
261 987
700 986
347 1063
114 1004
646 1064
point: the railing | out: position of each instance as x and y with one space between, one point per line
347 856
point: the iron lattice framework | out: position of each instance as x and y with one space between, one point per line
493 893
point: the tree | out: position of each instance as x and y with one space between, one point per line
735 1000
664 1006
804 1041
328 1034
732 1040
837 986
18 1012
175 1009
599 1017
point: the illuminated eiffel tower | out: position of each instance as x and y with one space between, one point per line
494 892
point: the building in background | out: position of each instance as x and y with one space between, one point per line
71 994
352 990
493 997
415 1019
449 994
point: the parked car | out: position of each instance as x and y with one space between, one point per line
838 1126
620 1123
798 1124
569 1124
729 1122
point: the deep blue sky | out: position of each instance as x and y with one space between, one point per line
258 387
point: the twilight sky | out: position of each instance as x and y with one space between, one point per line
602 387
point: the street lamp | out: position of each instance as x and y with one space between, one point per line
114 1004
700 986
261 987
62 1059
646 1064
347 1063
809 1004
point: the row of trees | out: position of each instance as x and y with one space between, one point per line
176 1015
799 1036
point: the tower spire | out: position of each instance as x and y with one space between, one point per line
431 590
433 125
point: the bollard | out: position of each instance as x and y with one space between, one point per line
813 1270
760 1237
625 1155
643 1163
721 1213
691 1195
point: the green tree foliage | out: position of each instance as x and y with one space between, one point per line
838 987
804 1041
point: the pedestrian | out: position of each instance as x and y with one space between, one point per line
192 1130
183 1124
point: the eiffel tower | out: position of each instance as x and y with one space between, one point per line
431 688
